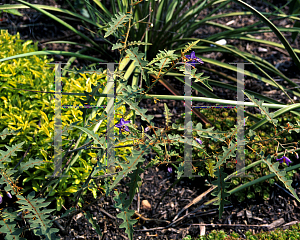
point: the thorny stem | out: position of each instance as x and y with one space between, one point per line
129 22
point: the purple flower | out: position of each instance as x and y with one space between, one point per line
9 195
0 199
193 59
169 169
147 129
121 125
284 159
198 141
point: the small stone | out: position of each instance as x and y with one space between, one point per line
240 214
260 49
146 205
78 216
276 223
248 214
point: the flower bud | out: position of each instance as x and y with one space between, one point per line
9 195
198 141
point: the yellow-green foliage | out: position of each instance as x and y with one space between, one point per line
24 109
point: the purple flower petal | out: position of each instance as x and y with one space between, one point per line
280 160
169 169
200 60
287 160
284 159
121 125
0 199
9 195
122 122
198 140
193 59
193 55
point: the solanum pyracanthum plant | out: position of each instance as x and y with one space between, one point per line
107 172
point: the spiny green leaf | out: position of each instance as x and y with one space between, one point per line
167 114
123 204
135 181
89 217
138 59
221 191
263 109
116 46
128 222
41 225
31 163
180 170
137 157
279 173
6 132
119 45
163 55
8 223
117 22
11 151
137 109
189 46
297 130
8 179
197 76
228 152
210 167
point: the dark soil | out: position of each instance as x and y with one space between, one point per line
157 180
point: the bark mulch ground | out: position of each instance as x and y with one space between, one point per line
156 218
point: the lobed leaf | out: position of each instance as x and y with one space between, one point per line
279 173
41 225
117 22
221 191
264 111
189 46
138 59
